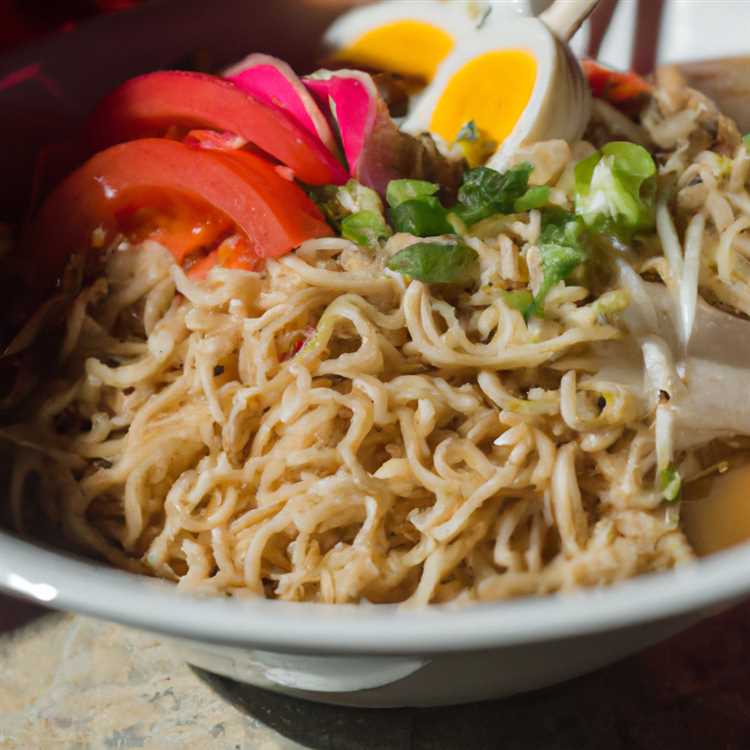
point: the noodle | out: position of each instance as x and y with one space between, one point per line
354 469
327 430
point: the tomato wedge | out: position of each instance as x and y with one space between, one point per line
151 104
179 222
232 253
271 213
258 172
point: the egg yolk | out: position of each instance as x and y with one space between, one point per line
411 48
493 90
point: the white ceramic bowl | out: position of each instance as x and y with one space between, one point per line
383 655
365 656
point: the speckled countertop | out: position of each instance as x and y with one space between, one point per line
72 683
75 683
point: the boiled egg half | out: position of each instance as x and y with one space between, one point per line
409 37
495 80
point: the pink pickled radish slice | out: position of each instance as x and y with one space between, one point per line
273 82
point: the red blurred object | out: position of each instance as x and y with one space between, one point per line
108 6
623 90
22 21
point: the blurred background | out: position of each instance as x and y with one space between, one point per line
58 58
633 40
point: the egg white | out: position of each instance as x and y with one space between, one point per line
559 105
458 18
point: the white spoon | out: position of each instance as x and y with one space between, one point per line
564 17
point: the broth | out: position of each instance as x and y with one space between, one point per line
716 511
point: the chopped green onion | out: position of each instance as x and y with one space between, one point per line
534 197
670 483
519 299
339 201
400 191
425 217
357 197
437 262
365 228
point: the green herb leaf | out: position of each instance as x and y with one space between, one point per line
615 189
670 483
400 191
534 197
519 299
437 262
365 228
486 191
425 217
558 261
562 251
560 227
746 141
469 132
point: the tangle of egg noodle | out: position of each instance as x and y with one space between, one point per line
329 431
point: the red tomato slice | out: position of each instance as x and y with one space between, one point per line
186 226
258 171
233 252
273 214
214 140
151 104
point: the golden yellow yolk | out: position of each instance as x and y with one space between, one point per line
412 48
493 90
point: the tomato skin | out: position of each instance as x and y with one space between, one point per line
271 213
150 105
258 171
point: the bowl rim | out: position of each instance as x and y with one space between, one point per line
62 581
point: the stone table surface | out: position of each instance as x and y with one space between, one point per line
69 682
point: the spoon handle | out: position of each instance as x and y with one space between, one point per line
564 17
